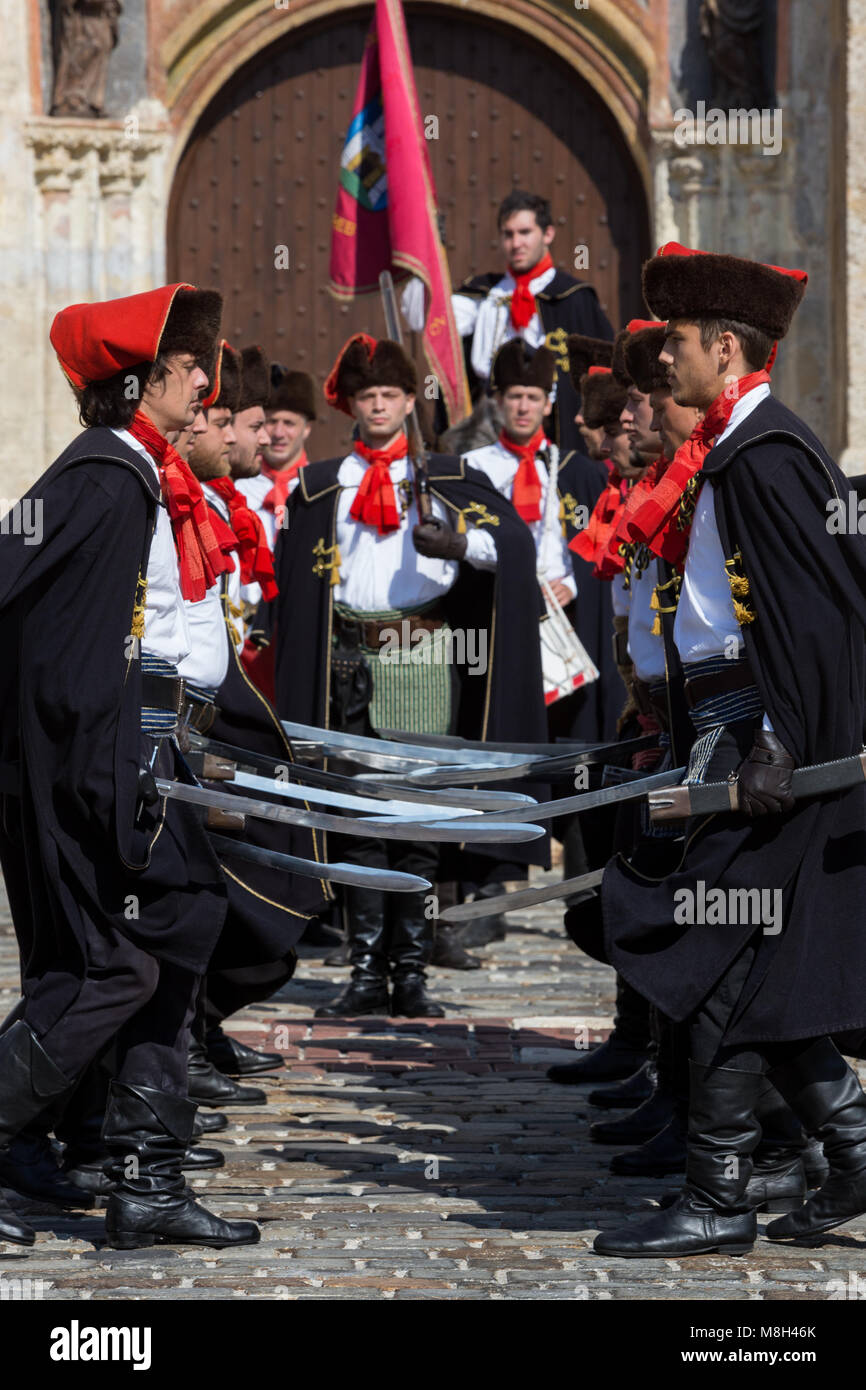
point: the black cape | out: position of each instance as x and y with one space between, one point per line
268 909
70 725
505 704
565 306
807 587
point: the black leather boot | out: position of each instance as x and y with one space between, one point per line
147 1133
409 948
625 1095
209 1087
622 1053
657 1111
711 1214
29 1082
660 1157
29 1166
827 1098
448 950
233 1058
483 930
208 1124
366 926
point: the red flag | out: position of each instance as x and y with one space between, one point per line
385 217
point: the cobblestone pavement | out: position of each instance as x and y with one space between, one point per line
427 1160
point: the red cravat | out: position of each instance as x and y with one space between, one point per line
200 555
275 500
657 521
376 502
257 565
523 300
526 488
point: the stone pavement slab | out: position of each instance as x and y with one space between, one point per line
418 1160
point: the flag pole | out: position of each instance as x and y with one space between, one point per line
417 452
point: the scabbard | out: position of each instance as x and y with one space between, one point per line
678 803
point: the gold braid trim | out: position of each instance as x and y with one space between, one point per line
323 565
137 628
740 591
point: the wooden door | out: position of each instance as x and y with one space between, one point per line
261 171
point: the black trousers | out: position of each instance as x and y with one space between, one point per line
709 1023
127 996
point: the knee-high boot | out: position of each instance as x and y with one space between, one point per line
147 1133
367 991
712 1213
409 949
622 1053
827 1098
29 1082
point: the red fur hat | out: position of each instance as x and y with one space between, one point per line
225 391
364 362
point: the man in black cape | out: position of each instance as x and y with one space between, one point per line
116 896
362 584
770 629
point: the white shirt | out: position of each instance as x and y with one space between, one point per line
166 632
208 662
705 623
488 319
255 490
553 561
646 650
378 573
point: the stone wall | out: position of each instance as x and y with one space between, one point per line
84 202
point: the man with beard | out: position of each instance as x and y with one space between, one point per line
361 574
773 600
116 895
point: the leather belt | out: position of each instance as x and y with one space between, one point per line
371 633
738 677
162 692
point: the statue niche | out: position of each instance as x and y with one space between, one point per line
85 32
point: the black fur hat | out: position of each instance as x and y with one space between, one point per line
364 362
584 352
679 283
255 378
603 399
518 364
225 383
642 358
295 391
618 363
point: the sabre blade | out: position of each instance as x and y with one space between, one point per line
410 752
375 827
293 791
521 897
588 801
356 875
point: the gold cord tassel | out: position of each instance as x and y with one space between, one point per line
335 567
461 524
657 621
137 628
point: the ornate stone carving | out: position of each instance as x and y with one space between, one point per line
85 34
63 154
732 31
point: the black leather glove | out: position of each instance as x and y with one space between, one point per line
764 779
435 539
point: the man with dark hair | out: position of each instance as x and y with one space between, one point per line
290 411
116 895
370 597
770 630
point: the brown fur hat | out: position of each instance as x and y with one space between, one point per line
295 391
603 398
679 283
584 352
618 363
255 378
518 364
225 383
193 325
642 358
364 362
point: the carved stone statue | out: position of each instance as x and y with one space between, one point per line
85 34
733 31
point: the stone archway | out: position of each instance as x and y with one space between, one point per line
259 171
